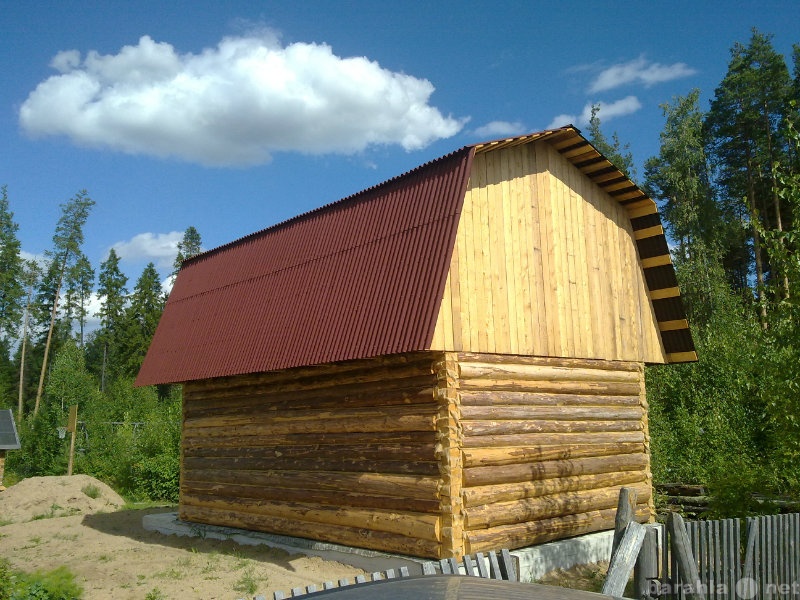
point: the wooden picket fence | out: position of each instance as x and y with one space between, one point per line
762 564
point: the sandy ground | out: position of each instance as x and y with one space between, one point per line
112 556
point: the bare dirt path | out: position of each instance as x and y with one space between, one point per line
113 556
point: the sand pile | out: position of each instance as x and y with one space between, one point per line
41 497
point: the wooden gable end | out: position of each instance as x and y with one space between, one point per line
545 264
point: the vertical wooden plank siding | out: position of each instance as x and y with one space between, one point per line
545 264
345 453
547 444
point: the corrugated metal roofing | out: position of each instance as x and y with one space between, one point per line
357 278
364 276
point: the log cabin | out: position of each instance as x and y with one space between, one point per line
449 362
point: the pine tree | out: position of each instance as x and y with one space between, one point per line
67 242
619 155
112 291
188 247
679 179
141 319
11 290
30 276
80 282
744 141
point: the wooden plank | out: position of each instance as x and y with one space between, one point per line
656 261
672 292
645 571
680 357
626 511
539 341
673 325
648 232
623 559
483 262
520 300
547 232
682 550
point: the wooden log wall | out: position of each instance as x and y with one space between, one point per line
547 444
345 453
429 454
545 263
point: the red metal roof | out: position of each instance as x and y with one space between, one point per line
357 278
364 276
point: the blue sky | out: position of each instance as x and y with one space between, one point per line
233 116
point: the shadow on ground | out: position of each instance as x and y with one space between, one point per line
128 523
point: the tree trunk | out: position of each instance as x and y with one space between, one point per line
776 200
751 199
22 356
40 389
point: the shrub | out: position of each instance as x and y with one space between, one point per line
58 584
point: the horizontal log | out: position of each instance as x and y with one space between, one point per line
520 372
193 440
484 457
332 424
485 494
363 452
537 532
565 413
475 476
378 369
521 426
408 390
541 439
526 398
588 363
261 417
552 387
329 497
351 536
546 507
409 524
321 463
377 484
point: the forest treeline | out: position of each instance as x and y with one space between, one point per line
727 181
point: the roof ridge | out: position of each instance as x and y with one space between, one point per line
352 198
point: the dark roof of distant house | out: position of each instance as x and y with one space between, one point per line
358 278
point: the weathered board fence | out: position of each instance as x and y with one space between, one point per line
758 559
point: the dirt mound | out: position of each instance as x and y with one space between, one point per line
39 497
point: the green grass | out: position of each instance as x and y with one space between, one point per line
247 583
92 491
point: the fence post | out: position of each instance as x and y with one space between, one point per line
626 512
682 551
645 573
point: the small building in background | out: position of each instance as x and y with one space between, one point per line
449 362
9 439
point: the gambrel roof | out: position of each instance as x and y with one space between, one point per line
365 276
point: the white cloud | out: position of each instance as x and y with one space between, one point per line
606 112
235 104
159 248
639 70
497 129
